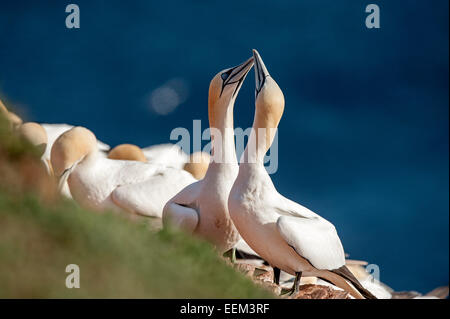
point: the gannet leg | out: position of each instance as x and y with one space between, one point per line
276 275
182 217
295 287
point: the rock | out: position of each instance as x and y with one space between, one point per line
405 294
269 286
440 292
319 292
246 269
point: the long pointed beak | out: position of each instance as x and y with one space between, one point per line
65 175
238 74
260 72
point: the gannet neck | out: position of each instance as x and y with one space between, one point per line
223 90
223 149
269 107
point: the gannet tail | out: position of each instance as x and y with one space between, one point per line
339 278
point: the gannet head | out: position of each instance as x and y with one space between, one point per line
69 149
198 164
13 118
225 86
127 152
35 134
269 98
3 109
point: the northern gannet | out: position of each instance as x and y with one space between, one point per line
100 183
53 132
36 135
169 155
127 152
287 235
201 208
13 118
198 164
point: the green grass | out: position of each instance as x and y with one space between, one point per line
118 258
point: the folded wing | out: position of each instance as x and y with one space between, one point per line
315 239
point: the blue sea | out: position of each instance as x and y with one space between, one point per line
364 137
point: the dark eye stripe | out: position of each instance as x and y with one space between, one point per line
226 75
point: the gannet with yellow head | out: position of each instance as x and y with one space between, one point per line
100 183
287 235
201 208
34 133
127 152
198 164
13 118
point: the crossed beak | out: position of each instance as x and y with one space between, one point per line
261 72
238 74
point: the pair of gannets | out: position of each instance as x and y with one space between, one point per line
168 155
287 235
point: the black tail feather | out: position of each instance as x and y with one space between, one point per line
345 273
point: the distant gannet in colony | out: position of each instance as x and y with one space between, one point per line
198 164
13 118
55 130
169 155
287 235
100 183
37 136
127 152
201 208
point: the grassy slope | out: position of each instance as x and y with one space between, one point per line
40 235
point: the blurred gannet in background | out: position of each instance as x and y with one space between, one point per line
34 133
169 155
197 164
37 136
53 132
201 208
287 235
13 118
100 183
127 152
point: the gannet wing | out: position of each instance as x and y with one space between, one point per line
170 155
179 216
315 239
182 211
286 207
149 197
